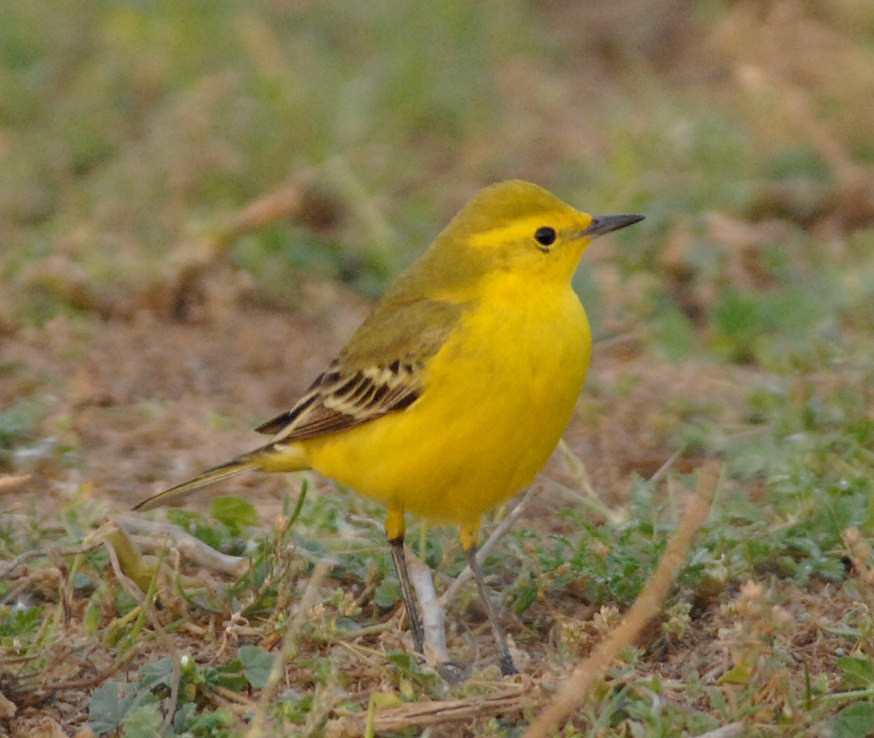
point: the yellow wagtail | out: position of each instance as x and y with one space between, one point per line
455 390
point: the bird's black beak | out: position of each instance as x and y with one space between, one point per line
606 223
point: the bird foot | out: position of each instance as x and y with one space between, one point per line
508 668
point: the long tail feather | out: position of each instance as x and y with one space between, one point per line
272 457
210 476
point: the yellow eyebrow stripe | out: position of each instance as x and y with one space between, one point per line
522 228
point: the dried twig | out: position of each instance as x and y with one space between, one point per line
186 544
732 730
289 647
645 607
293 200
10 567
96 679
433 614
583 491
666 467
513 700
8 482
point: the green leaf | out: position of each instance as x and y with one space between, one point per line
855 720
234 512
383 700
91 618
184 717
740 674
108 706
20 622
230 676
157 672
387 593
858 672
408 669
143 721
526 597
257 664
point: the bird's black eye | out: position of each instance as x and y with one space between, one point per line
545 236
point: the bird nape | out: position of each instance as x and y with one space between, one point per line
457 387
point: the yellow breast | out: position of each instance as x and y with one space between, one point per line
497 398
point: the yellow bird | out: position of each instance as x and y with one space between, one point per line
455 390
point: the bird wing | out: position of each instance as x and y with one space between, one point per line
338 401
379 372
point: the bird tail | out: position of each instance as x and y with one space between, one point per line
260 458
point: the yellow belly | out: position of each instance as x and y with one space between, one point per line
497 398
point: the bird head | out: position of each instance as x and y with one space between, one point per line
519 229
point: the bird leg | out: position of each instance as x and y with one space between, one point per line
507 665
397 553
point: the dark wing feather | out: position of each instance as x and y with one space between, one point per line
379 372
337 401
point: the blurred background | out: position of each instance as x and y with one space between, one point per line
199 200
225 165
743 130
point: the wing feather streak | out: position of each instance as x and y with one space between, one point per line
379 372
338 401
